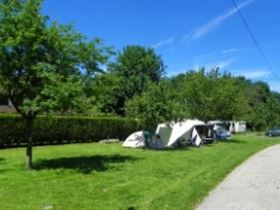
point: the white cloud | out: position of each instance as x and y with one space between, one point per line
207 66
163 42
275 86
206 28
176 72
222 52
253 74
263 75
221 64
229 50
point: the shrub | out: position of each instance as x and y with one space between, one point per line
62 129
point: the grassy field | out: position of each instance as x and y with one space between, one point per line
107 176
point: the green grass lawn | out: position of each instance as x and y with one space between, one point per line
107 176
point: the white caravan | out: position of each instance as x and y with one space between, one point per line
239 126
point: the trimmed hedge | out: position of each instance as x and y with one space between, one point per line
58 129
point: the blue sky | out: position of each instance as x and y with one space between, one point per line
187 33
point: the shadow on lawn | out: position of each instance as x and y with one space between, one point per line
234 141
175 149
83 164
2 160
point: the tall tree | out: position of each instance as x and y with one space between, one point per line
154 105
136 66
109 93
257 95
41 62
273 108
209 95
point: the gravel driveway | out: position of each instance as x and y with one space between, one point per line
254 185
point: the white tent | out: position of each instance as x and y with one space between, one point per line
168 135
196 138
135 140
171 133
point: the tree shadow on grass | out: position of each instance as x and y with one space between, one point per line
84 164
233 141
2 160
167 149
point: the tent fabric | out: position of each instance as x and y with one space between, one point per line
164 132
182 129
135 140
167 135
172 132
196 138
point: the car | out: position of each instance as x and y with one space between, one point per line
273 132
222 133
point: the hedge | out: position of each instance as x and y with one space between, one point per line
62 129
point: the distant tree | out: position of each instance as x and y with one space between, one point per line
273 109
42 62
257 95
135 67
109 93
230 102
139 61
154 105
197 92
209 95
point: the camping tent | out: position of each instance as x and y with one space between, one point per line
172 133
137 139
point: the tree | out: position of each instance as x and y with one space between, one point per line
209 95
109 93
42 62
135 67
154 105
257 96
273 109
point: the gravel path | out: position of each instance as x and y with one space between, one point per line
255 185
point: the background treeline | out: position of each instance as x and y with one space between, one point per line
135 85
47 67
51 68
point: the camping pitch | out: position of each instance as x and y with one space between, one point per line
171 135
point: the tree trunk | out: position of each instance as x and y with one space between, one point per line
29 131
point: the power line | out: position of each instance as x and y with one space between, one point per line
254 38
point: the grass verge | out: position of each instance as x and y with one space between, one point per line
109 177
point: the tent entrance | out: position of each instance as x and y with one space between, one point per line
205 132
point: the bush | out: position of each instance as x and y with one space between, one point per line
62 129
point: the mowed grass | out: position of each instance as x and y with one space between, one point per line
107 176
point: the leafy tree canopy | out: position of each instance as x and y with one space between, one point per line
134 68
42 62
